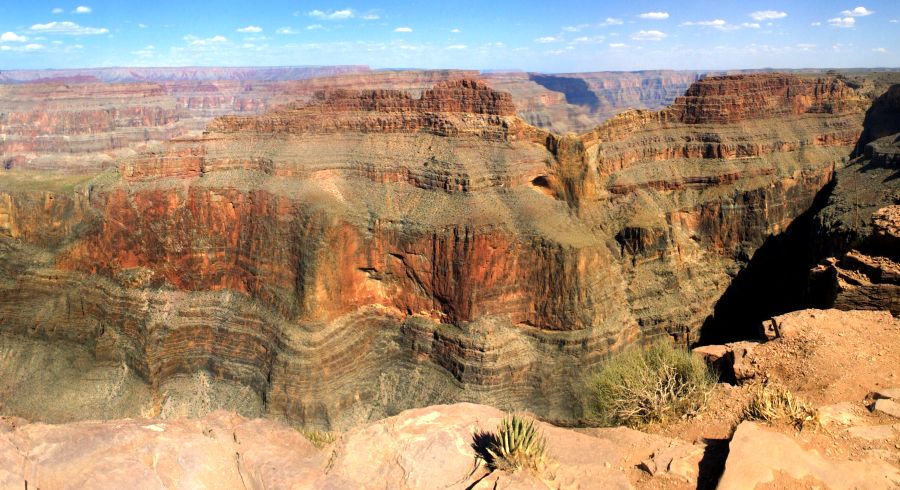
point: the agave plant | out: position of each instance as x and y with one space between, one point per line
518 444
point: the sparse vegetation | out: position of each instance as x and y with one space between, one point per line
517 444
319 438
642 386
773 403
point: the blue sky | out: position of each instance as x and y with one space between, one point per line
551 36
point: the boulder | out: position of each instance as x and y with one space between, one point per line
887 407
759 456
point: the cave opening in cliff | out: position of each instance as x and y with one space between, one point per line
542 184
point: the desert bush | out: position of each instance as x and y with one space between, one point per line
643 386
517 444
773 403
319 438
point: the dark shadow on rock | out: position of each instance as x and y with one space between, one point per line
481 441
576 90
712 465
774 281
881 119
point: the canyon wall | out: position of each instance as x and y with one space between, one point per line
858 229
359 252
576 102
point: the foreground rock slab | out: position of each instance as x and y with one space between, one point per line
431 447
760 456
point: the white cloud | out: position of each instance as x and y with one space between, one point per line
654 15
706 23
648 36
457 46
250 29
314 27
370 17
12 37
857 12
57 10
894 21
721 25
20 49
25 48
768 15
403 29
68 28
455 31
146 52
81 9
815 24
842 22
206 42
547 39
143 26
611 21
285 30
588 40
334 15
879 50
617 45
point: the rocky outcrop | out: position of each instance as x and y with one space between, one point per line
432 447
357 253
735 98
758 457
825 358
858 229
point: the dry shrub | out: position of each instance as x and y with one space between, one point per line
773 403
643 386
319 438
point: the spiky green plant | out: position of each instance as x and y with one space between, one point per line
517 444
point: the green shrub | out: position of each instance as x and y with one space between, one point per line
773 403
643 386
517 444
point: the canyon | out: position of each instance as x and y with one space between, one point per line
335 250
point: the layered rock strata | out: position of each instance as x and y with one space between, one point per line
363 252
859 228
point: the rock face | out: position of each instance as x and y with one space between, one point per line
821 355
358 253
577 102
432 447
762 457
859 228
75 126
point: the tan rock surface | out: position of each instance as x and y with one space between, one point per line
758 456
425 448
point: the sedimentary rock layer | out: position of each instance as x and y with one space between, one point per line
858 228
361 252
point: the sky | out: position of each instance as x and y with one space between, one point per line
547 35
